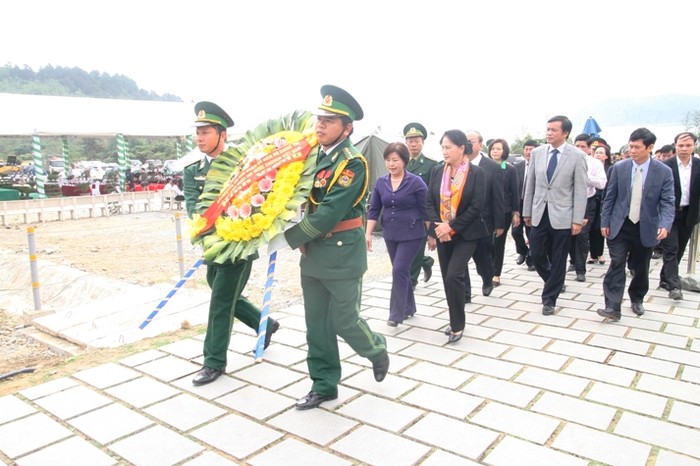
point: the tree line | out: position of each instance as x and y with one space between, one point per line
76 82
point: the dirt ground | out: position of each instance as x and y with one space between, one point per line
137 248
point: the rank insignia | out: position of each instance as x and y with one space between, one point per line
346 178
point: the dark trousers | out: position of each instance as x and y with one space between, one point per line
452 256
549 248
519 238
627 242
420 261
580 244
483 258
673 248
499 247
402 303
227 282
332 310
597 242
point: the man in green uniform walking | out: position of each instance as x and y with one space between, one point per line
422 166
226 280
331 238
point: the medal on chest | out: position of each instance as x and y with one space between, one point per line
322 178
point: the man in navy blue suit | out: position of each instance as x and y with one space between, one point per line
636 214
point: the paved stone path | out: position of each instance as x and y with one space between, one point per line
520 388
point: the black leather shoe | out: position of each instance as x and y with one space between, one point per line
467 299
448 331
380 367
611 314
675 294
656 255
392 323
487 289
664 286
270 331
547 310
580 277
637 308
454 337
563 289
531 268
205 376
312 400
520 259
572 268
427 272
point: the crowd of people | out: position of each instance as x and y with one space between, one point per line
563 201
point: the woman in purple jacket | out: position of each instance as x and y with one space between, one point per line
401 195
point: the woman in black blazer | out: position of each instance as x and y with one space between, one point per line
456 196
499 152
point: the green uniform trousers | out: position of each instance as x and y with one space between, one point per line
419 262
227 282
332 309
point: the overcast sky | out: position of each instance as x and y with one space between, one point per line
502 67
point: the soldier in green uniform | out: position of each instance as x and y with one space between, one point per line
331 238
422 166
226 280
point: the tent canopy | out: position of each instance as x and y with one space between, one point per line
24 115
372 147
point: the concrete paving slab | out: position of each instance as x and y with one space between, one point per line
30 433
374 446
122 421
156 446
301 453
184 412
12 408
74 451
450 434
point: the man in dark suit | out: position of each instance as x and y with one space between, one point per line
636 214
686 185
554 205
517 232
493 213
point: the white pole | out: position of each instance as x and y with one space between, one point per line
34 268
178 236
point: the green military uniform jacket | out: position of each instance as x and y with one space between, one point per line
421 166
339 193
194 176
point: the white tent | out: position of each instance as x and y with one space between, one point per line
24 115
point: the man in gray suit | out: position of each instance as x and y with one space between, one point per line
636 214
554 205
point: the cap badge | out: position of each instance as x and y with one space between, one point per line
201 114
328 100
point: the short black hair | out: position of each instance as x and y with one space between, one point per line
531 143
566 124
585 138
685 134
643 134
504 144
458 138
667 148
398 148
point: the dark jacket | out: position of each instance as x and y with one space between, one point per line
493 209
468 223
404 214
693 216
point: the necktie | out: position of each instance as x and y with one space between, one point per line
552 164
636 202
